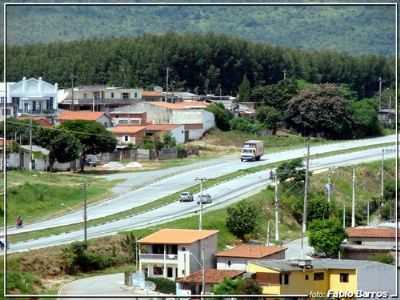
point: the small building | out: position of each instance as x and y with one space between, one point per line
387 117
99 97
6 98
152 96
364 242
128 118
173 253
40 157
129 134
32 96
237 257
176 131
324 277
192 284
97 116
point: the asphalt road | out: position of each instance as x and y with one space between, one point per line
222 194
140 188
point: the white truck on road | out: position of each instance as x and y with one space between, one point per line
252 150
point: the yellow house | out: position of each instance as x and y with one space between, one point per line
306 278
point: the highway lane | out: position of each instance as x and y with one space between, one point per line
165 182
223 194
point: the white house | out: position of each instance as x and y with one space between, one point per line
33 96
237 257
7 99
173 253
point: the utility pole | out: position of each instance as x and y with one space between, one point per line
93 104
353 200
380 92
344 216
30 144
72 91
390 102
368 212
201 179
84 186
166 85
268 232
203 275
329 186
382 176
304 225
276 209
284 74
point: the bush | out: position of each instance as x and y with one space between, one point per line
245 125
21 281
222 116
242 219
384 258
163 285
78 258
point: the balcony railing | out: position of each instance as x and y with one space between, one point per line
158 256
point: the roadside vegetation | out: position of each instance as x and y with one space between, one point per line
37 195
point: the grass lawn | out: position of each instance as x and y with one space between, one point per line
35 195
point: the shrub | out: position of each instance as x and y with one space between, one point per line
21 281
163 285
384 258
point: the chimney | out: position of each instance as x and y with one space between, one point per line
40 84
23 83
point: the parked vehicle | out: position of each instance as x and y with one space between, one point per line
204 199
92 162
252 150
186 197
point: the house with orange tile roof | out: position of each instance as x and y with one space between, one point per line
129 134
236 258
85 115
365 241
175 253
191 114
191 284
176 131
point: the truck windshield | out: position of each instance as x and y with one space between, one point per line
247 151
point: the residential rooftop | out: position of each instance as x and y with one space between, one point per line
371 232
127 129
181 105
177 236
84 115
211 276
250 251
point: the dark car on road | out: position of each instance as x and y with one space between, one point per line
205 199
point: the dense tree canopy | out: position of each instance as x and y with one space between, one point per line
197 62
242 219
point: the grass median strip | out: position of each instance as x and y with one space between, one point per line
168 199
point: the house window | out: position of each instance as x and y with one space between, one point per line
285 279
125 95
135 95
170 272
126 138
344 277
112 95
306 277
229 263
84 95
2 99
319 276
157 271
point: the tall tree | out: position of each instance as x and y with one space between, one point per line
241 219
244 90
94 138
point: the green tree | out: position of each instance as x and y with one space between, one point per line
365 118
293 169
94 138
321 111
222 116
63 146
245 125
241 219
168 141
326 236
244 90
129 244
270 117
237 286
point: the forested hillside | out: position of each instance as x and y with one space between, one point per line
351 29
201 63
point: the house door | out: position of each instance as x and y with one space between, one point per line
186 135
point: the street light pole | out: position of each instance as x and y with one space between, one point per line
276 209
353 200
380 92
304 225
84 186
382 175
201 179
30 144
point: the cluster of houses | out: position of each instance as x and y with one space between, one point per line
131 114
190 258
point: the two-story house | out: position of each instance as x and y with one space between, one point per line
174 253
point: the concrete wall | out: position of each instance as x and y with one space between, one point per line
384 242
179 134
239 263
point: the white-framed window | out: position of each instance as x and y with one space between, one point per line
126 138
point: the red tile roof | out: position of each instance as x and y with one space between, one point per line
151 94
85 115
193 126
371 232
177 236
182 105
211 276
42 121
250 251
161 127
127 129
